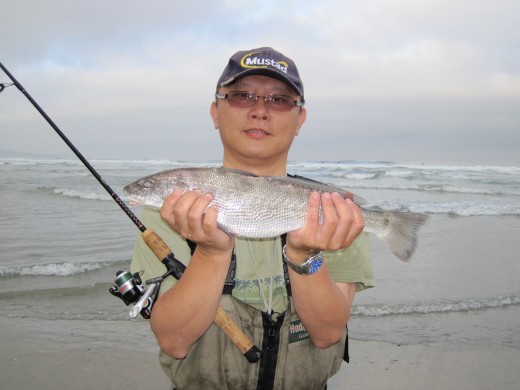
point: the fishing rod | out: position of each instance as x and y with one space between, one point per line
129 287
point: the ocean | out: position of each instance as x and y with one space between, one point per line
63 238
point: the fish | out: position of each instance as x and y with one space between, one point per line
256 207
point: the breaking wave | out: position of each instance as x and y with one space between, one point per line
76 194
462 209
466 305
52 269
80 195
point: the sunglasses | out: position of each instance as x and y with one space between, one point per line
275 102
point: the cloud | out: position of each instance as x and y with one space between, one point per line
123 76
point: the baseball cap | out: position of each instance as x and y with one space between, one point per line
263 61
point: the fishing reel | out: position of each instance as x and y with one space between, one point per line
131 290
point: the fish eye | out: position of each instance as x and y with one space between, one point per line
146 184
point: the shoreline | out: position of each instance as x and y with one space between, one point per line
65 354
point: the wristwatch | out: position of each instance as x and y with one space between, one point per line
311 265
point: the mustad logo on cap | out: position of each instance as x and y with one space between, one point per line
252 62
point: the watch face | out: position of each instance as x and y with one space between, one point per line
315 265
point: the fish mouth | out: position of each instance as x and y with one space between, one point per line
133 201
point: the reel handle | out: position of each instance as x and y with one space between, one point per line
222 319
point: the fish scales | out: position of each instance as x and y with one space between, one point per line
261 208
268 206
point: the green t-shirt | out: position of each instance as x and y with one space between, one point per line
259 271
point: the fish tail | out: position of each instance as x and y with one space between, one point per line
400 232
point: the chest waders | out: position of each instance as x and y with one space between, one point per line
289 359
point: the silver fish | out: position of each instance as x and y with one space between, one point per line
267 206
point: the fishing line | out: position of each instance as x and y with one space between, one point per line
156 244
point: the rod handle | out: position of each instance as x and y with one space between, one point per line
251 352
156 244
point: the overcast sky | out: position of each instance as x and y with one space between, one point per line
399 80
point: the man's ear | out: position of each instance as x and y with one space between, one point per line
214 114
301 120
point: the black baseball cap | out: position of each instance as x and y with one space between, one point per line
263 61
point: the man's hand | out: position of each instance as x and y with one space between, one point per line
189 215
342 223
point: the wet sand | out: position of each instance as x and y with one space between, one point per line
75 354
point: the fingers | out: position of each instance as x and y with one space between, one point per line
168 206
313 214
196 216
340 224
350 221
185 213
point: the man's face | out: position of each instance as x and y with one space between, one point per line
257 133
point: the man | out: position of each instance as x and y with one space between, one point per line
292 304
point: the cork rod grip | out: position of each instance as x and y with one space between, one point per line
239 338
222 319
156 244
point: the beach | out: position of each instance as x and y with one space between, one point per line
450 318
78 355
75 355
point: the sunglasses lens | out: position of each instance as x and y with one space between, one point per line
274 102
281 102
241 99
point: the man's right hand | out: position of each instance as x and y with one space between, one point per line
190 216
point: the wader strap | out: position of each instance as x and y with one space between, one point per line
229 284
285 269
230 279
345 353
192 246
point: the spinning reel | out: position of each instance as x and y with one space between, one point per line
130 289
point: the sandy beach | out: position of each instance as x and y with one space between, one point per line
79 355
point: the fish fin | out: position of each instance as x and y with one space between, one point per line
401 235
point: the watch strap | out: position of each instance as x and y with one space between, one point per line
310 266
